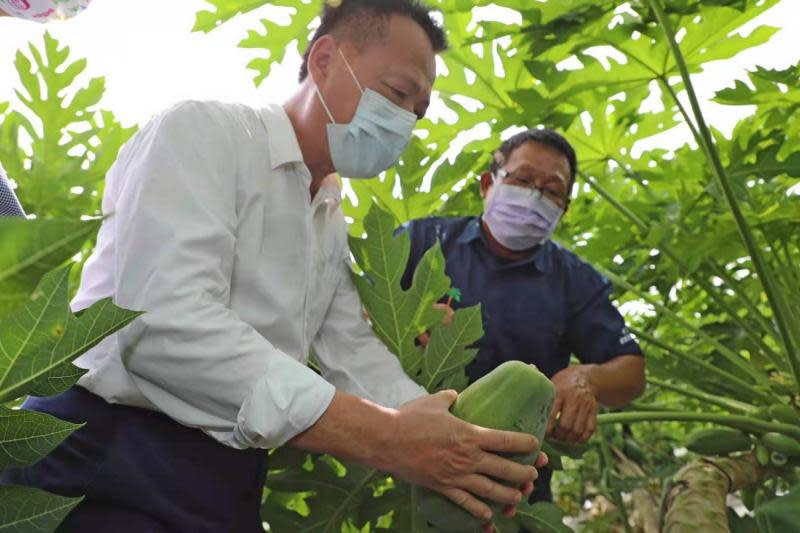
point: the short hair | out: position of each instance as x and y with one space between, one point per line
362 21
543 136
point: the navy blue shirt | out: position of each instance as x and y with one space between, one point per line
538 310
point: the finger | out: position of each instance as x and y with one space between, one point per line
566 422
551 422
487 489
444 398
581 421
591 426
448 317
527 490
488 528
424 339
542 460
506 441
505 469
510 510
469 503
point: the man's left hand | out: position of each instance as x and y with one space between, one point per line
574 414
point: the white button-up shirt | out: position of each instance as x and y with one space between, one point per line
211 230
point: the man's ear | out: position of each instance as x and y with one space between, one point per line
486 183
321 58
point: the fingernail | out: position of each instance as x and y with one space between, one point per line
518 497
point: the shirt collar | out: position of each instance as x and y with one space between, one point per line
283 145
541 257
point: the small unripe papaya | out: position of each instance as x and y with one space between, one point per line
778 442
718 441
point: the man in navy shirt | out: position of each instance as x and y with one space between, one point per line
540 302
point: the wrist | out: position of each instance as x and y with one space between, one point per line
590 377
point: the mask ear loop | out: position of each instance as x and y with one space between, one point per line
324 105
319 94
347 64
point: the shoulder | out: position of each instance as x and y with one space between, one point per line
442 228
223 116
580 274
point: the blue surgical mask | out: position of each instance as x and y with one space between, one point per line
521 218
376 137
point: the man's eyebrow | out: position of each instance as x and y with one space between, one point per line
550 177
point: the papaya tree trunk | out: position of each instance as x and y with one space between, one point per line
644 503
696 499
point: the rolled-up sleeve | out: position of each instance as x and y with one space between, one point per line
353 358
190 354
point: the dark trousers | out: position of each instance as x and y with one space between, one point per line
142 472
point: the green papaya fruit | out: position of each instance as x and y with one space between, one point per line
785 413
778 442
718 441
513 397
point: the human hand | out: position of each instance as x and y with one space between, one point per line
434 449
446 321
574 415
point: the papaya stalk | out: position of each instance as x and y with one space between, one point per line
745 423
775 297
664 247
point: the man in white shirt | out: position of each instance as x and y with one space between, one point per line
224 229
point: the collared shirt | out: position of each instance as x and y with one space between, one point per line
212 231
9 205
539 309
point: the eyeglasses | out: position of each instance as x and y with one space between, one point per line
551 188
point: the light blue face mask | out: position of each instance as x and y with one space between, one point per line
376 137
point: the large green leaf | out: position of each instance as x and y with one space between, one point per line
398 316
73 141
24 510
42 336
32 248
27 436
541 517
782 513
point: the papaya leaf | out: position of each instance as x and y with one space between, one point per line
24 509
27 436
783 512
541 517
334 491
43 335
398 316
74 142
32 248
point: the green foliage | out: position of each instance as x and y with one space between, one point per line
24 509
28 436
30 250
666 225
72 141
39 339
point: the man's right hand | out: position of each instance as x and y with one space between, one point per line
431 447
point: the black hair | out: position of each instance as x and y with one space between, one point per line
361 21
543 136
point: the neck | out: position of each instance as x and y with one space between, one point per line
312 136
499 250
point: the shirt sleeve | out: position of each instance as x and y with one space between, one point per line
353 358
190 354
597 331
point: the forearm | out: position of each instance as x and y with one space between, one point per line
617 382
351 428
